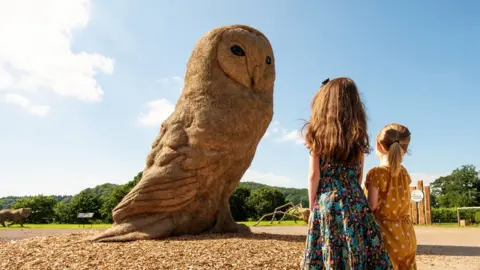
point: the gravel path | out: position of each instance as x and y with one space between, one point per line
268 248
16 234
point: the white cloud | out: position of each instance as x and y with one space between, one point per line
158 111
267 179
293 136
175 82
280 134
21 101
36 53
427 178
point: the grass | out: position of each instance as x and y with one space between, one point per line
248 223
450 225
101 226
275 223
56 226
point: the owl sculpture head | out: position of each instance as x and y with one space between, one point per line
239 52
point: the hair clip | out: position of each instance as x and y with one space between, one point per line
326 81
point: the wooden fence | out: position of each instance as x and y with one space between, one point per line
421 212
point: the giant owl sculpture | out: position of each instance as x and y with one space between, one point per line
205 146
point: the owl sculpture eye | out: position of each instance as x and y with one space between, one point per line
268 60
237 50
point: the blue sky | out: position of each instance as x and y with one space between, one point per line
85 84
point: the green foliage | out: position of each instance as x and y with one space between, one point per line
63 213
85 202
115 196
447 215
265 200
7 202
477 216
42 208
444 215
460 188
102 191
294 195
238 203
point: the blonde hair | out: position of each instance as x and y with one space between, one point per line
394 139
337 128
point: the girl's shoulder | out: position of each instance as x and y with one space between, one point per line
378 170
405 174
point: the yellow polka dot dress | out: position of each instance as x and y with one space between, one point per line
393 215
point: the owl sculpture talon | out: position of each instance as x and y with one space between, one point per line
224 222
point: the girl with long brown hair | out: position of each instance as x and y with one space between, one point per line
389 196
342 232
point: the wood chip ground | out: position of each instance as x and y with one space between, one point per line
256 251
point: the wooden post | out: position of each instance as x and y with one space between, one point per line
458 217
413 208
421 204
428 208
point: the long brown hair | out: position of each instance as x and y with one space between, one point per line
394 139
337 128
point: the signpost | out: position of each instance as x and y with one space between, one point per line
85 216
420 208
417 195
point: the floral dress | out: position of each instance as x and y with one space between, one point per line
342 231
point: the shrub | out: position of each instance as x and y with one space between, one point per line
477 216
446 215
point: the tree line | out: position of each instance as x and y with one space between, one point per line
248 202
99 200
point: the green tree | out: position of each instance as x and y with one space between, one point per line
42 208
102 191
265 200
116 196
9 201
460 188
85 202
238 204
63 213
294 195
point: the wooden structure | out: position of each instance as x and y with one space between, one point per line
413 208
465 222
85 217
295 211
421 212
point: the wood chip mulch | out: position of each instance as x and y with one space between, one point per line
68 251
255 251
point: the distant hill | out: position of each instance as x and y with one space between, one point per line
7 202
295 195
101 190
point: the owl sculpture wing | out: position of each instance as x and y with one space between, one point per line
169 183
165 185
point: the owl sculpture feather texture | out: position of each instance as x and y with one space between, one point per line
205 146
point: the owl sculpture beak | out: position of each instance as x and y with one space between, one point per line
255 76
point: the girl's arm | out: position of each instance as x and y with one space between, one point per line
360 178
372 197
313 180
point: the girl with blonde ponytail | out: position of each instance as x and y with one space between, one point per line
388 195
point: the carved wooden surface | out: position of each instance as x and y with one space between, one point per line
421 205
